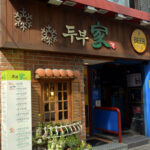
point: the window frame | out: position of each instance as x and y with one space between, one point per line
42 102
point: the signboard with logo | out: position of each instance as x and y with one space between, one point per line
71 32
16 110
139 41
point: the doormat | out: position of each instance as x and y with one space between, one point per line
95 142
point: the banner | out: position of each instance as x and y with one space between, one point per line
16 110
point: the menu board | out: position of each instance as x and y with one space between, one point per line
16 125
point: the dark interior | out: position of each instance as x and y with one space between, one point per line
115 92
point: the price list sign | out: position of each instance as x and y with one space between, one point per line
16 110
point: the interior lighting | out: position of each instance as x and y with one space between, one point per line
90 9
52 92
86 63
55 2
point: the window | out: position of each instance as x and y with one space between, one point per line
56 101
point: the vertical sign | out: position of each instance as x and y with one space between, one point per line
16 110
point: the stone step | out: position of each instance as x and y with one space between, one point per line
143 147
112 146
136 141
107 136
130 140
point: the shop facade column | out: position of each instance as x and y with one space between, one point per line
146 97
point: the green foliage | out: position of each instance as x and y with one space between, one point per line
47 139
72 141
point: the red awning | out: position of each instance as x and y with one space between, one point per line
115 8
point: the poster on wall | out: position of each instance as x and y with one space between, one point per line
16 125
134 80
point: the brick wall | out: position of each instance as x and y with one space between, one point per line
29 60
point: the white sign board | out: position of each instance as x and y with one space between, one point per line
134 80
16 110
98 103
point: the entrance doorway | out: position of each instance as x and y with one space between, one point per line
121 87
117 84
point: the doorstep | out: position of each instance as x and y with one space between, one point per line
112 146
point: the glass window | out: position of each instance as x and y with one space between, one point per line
55 101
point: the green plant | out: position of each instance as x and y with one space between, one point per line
89 147
84 146
46 137
72 141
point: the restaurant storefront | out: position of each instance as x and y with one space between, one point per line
55 42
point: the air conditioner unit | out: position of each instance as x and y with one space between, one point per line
143 5
121 2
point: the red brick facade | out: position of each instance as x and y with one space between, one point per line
28 60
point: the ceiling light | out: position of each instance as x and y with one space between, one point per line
120 17
102 11
144 23
86 63
69 3
90 9
55 2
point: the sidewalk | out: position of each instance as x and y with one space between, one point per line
143 147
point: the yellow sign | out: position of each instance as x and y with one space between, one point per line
15 75
139 41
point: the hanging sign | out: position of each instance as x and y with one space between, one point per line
16 110
139 41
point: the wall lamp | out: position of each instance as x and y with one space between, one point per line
69 3
144 23
102 11
120 17
55 2
90 9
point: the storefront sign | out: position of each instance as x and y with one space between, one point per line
139 41
98 32
71 33
16 110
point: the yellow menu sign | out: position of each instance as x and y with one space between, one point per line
139 41
15 75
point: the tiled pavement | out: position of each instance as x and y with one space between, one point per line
115 146
144 147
